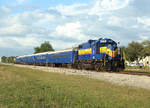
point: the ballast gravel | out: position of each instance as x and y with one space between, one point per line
115 78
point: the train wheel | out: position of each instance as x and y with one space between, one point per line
116 69
97 67
69 66
79 66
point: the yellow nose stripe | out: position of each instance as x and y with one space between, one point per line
109 51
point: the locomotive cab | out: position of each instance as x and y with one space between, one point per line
107 48
107 54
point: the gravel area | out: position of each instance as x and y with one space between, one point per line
120 79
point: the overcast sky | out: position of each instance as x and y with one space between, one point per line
25 24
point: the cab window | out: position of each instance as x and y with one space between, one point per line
102 44
114 45
109 45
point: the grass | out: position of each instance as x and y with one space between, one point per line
141 71
27 88
137 69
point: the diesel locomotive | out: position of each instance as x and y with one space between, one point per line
101 55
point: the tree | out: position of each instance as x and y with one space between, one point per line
146 49
4 59
36 50
44 47
11 59
123 50
134 51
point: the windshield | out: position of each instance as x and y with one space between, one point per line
114 45
103 44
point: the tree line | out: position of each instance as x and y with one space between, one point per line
136 50
5 59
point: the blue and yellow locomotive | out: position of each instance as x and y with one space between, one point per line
101 54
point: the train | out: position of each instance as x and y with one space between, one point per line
101 55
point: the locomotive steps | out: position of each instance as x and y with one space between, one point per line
119 79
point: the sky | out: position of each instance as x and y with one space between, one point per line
25 24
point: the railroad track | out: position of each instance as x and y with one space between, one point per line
130 73
136 73
121 72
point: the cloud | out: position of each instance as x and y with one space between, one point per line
74 9
15 29
144 37
20 1
102 7
141 7
27 41
60 44
70 30
145 21
115 21
4 9
112 4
